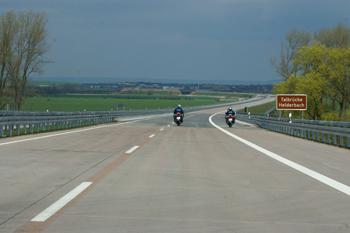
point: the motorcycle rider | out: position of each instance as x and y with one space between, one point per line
229 112
179 110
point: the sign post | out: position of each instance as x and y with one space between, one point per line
121 105
292 102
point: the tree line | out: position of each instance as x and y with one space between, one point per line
23 45
317 64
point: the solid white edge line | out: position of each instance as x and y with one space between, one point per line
317 176
152 136
51 210
132 149
73 131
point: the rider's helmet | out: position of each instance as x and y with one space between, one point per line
229 109
179 106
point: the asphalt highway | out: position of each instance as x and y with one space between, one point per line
149 175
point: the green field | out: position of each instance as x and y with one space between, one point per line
134 96
226 95
105 104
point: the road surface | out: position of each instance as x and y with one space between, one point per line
149 175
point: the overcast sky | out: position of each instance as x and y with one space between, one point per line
175 39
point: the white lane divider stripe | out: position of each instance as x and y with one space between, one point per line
51 210
161 129
132 149
152 136
317 176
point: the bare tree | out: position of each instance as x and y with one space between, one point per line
30 47
335 37
8 31
294 40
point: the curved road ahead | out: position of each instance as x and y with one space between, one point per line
149 175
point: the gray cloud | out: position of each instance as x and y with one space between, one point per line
199 39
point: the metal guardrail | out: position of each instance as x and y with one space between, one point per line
20 123
329 132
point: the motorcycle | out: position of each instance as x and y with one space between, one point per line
177 118
230 120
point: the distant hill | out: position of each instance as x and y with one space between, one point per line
179 81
